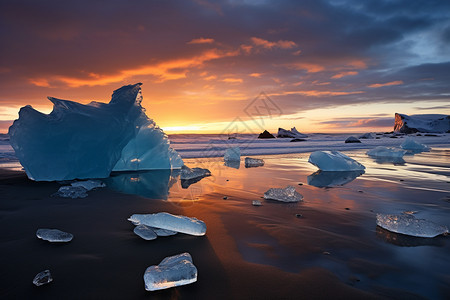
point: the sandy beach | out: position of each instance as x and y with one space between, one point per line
334 249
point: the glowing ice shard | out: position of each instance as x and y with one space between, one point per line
409 225
54 235
42 278
171 222
232 154
145 232
172 271
334 161
253 162
288 194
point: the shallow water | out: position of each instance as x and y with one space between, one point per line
244 244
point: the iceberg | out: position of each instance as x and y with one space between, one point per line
42 278
421 123
232 154
77 141
409 225
352 139
412 145
172 271
332 178
253 162
71 192
171 222
293 133
288 194
334 161
145 232
54 235
382 151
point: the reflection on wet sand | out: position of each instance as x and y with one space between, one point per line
332 178
389 160
406 240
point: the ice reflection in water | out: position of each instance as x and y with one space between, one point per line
332 178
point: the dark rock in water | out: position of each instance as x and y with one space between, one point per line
297 140
42 278
265 135
421 123
352 139
430 134
393 137
377 138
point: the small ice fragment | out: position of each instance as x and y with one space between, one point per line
163 232
253 162
54 235
256 203
232 154
42 278
171 222
188 173
409 225
367 135
145 232
172 271
89 184
382 151
334 161
288 194
71 192
411 144
352 139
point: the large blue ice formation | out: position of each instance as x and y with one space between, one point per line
89 141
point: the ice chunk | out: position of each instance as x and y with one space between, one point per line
232 154
235 164
382 151
256 203
88 184
54 235
409 225
288 194
42 278
171 222
145 232
334 161
71 192
411 144
188 173
163 232
88 141
367 135
332 178
352 139
253 162
172 271
293 133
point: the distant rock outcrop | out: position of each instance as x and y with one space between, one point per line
265 135
421 123
293 133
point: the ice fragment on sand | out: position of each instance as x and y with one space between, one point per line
256 203
54 235
89 141
253 162
171 222
288 194
42 278
382 151
411 144
145 232
409 225
188 173
88 184
334 161
172 271
163 232
232 154
71 192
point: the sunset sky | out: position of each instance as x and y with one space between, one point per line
326 66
